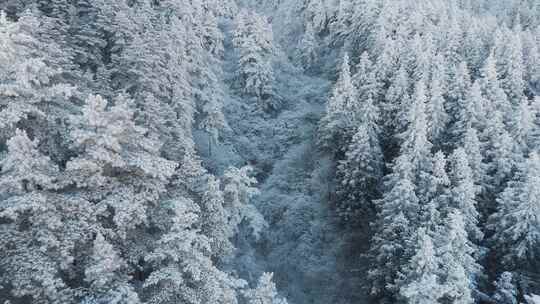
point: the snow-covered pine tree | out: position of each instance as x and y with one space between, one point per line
492 88
500 153
474 151
505 291
359 175
342 110
214 220
33 92
107 280
182 267
459 269
415 143
41 227
397 103
438 118
459 106
422 284
393 230
464 193
239 189
253 39
308 48
515 223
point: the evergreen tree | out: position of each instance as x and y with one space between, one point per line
183 271
25 173
515 223
500 156
239 189
342 109
459 268
492 88
438 117
33 90
397 103
505 292
214 219
253 39
108 283
422 284
307 48
460 108
393 230
359 175
464 193
474 151
512 68
415 141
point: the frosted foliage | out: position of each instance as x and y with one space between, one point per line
110 138
253 38
105 276
505 292
177 151
516 220
239 190
25 168
423 287
264 293
27 81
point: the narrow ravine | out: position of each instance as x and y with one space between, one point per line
301 245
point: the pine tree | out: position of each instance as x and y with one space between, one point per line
415 143
214 220
307 47
33 91
108 283
515 223
492 88
474 151
439 196
239 189
41 227
397 216
397 103
501 158
459 268
359 175
182 269
464 193
114 153
422 284
253 39
505 292
459 107
438 117
342 109
512 73
531 59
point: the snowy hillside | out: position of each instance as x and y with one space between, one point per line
269 152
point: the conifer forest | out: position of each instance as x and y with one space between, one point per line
270 151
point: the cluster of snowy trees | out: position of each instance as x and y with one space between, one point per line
103 198
433 126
